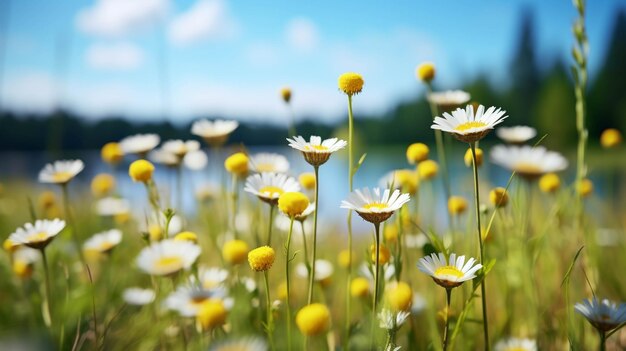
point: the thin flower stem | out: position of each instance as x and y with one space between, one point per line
235 195
346 341
445 331
480 245
292 121
70 221
270 225
602 340
270 320
376 281
312 271
47 319
306 251
287 261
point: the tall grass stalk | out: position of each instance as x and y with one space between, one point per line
350 185
312 269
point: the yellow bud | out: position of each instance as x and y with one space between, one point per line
383 256
10 246
469 159
549 183
141 171
427 169
351 83
155 233
610 138
457 205
47 200
22 269
212 314
285 93
406 180
235 251
399 296
293 203
261 258
344 258
121 218
359 287
585 187
313 319
391 233
499 197
237 164
187 236
112 153
102 185
426 71
281 291
307 180
416 153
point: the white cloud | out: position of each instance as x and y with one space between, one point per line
120 56
262 54
31 92
121 17
302 34
205 20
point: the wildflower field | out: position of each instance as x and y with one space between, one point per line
483 240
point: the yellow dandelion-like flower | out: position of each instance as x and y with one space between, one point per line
112 153
585 187
416 153
262 258
102 184
47 200
427 169
610 138
344 258
281 291
187 236
9 245
141 171
549 183
399 296
469 159
235 251
237 164
313 319
154 232
307 180
384 254
293 203
499 197
390 233
425 71
359 287
23 270
285 93
457 205
351 83
212 314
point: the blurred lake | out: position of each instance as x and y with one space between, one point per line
25 166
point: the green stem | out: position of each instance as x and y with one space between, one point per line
235 195
346 341
287 260
270 320
312 271
376 281
480 244
70 222
602 340
47 319
306 252
445 331
270 224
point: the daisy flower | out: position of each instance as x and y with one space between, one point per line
164 157
214 132
529 162
103 242
449 100
467 126
449 273
604 315
323 270
516 134
388 271
196 160
139 144
112 206
187 300
211 277
138 296
269 186
307 211
61 172
516 344
180 148
243 344
390 320
167 257
269 163
38 235
375 206
316 151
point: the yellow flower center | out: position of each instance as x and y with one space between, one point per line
469 125
605 317
527 168
62 177
38 237
265 167
270 190
448 270
376 206
198 300
316 147
171 262
106 246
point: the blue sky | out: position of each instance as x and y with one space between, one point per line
215 57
